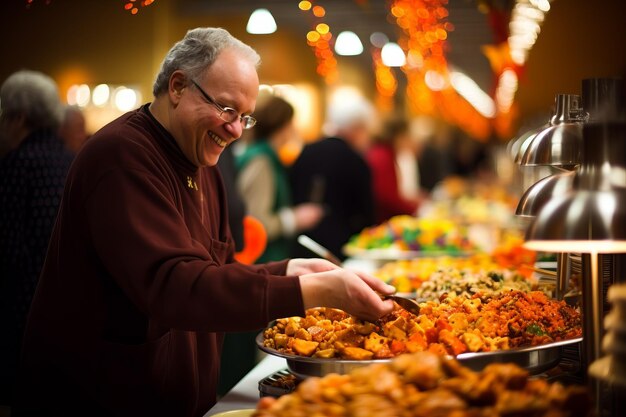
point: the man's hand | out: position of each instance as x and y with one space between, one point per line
302 266
351 291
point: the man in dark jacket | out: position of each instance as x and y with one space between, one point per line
333 172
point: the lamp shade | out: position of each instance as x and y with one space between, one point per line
559 144
261 22
592 216
348 44
583 221
543 191
517 147
392 55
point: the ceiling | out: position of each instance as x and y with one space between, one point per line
366 17
579 39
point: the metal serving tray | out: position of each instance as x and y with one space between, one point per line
535 359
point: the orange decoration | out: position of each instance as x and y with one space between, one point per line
386 83
424 39
319 11
254 240
133 8
320 39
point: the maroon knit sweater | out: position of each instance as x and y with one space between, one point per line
139 282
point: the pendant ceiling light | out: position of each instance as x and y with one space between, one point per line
348 44
559 143
393 55
540 193
261 22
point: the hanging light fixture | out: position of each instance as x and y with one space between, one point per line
593 214
556 143
393 55
590 219
261 22
535 197
559 143
348 44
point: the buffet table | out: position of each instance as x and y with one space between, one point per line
245 394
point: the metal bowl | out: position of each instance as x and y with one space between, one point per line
535 359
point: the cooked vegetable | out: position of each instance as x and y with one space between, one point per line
424 384
456 325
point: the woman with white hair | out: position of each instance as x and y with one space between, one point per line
32 174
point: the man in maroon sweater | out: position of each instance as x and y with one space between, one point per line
140 281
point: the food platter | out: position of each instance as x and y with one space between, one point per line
535 359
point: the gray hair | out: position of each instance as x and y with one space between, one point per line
196 52
33 95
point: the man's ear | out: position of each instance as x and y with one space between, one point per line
178 82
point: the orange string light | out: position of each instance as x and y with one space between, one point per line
133 5
425 33
386 82
320 39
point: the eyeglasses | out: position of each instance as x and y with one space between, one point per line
227 114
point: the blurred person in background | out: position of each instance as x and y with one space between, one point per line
333 172
73 130
434 163
32 176
395 176
140 281
264 183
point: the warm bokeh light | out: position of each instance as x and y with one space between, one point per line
429 90
393 55
304 5
322 28
319 11
132 5
505 92
320 40
125 99
435 81
469 90
386 83
543 5
100 95
78 95
348 44
397 11
313 36
524 27
261 22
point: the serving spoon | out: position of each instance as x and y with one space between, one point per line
406 303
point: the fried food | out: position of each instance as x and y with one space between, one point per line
426 385
450 327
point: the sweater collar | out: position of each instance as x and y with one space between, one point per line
169 145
